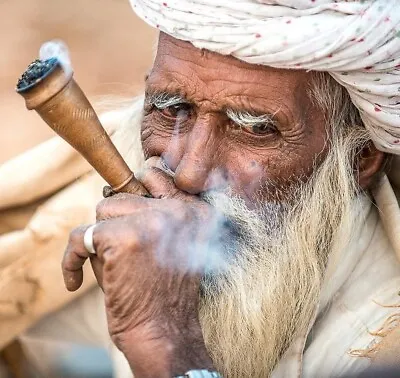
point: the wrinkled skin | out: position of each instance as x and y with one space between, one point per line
151 295
210 148
152 308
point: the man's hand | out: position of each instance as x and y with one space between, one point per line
148 263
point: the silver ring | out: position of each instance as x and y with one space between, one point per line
88 239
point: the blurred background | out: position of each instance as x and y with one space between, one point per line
111 50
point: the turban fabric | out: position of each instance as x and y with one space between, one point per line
356 41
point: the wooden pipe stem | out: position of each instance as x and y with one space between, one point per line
61 103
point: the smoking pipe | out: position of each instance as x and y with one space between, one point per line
50 89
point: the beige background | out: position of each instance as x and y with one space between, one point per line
110 49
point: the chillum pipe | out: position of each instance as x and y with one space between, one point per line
57 98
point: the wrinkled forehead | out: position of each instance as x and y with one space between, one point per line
181 68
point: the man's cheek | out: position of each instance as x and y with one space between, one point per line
145 129
157 141
154 141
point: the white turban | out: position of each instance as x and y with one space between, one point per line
356 41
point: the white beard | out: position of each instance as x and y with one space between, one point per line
269 292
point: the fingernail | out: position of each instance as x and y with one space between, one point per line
164 167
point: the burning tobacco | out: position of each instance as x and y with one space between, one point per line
48 87
36 71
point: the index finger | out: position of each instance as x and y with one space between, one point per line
121 205
74 258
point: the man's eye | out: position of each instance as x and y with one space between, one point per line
261 128
175 111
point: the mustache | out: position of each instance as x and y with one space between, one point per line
232 228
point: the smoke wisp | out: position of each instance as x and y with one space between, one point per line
56 48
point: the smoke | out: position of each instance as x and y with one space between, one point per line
213 252
207 253
57 49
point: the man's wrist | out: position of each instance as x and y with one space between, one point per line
191 354
166 356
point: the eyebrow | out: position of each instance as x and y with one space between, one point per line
245 118
163 100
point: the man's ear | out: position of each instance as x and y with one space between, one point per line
370 162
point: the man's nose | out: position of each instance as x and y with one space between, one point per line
199 158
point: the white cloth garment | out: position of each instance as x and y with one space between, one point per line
359 295
356 41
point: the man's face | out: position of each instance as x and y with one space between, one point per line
217 121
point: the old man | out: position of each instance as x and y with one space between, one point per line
269 246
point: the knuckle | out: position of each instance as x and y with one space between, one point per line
126 234
157 224
151 175
175 193
101 233
120 235
110 234
115 206
157 172
69 260
121 197
102 209
133 243
76 235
